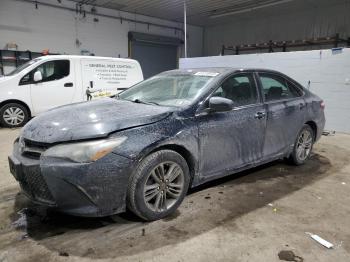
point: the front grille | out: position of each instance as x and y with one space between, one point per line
33 149
35 186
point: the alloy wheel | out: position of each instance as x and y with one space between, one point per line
13 116
304 144
164 186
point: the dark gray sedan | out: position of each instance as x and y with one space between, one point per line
145 148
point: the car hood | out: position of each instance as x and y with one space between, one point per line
92 119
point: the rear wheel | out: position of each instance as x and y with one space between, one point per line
13 115
159 185
302 146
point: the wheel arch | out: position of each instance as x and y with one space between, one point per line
184 152
17 102
313 126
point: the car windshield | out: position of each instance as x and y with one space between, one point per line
22 67
169 89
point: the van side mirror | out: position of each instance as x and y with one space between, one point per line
220 104
37 76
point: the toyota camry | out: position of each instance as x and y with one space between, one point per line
144 149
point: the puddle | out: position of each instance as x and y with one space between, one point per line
40 222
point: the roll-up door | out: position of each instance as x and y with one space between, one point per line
155 53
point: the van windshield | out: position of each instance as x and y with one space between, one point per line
168 89
24 66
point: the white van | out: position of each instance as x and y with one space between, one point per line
55 80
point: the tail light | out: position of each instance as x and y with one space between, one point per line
323 105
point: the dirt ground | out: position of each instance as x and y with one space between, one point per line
256 215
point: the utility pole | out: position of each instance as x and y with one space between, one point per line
185 28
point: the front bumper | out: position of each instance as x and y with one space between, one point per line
83 189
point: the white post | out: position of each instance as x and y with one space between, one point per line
185 27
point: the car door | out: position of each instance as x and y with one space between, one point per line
230 140
56 88
285 108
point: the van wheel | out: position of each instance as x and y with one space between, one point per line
13 115
302 146
159 185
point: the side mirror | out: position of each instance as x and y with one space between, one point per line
220 104
38 76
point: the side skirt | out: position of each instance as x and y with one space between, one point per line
201 180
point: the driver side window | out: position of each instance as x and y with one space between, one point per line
50 71
240 89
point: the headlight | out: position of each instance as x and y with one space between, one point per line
85 152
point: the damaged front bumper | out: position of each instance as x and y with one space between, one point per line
83 189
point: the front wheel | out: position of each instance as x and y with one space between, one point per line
13 115
159 185
303 146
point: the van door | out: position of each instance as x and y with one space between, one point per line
57 86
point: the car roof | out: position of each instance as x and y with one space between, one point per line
222 70
49 57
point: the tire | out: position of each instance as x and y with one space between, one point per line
145 198
302 146
13 115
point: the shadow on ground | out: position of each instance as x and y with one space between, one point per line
211 205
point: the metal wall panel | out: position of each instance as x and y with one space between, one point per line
328 72
199 11
292 21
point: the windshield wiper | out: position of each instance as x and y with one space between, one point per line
144 102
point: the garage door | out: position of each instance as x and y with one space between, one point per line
155 53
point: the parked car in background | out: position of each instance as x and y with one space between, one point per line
51 81
176 130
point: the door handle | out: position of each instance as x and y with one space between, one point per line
301 105
70 84
260 115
